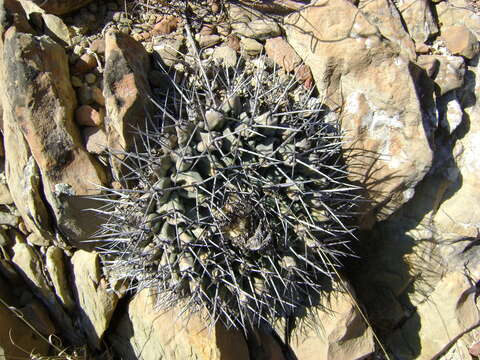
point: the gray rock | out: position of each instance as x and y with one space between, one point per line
225 55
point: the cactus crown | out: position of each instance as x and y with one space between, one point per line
236 199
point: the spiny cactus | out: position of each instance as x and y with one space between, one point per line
236 201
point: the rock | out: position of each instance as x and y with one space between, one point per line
458 12
282 53
384 15
452 115
152 334
447 71
5 196
13 328
380 110
60 7
252 24
304 76
93 296
85 95
449 312
214 119
31 268
55 264
451 219
52 25
95 140
84 64
42 101
225 55
98 46
233 42
126 90
169 50
23 179
97 96
475 349
251 46
91 79
460 41
34 239
166 26
85 115
205 41
341 334
418 18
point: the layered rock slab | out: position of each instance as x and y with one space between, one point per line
40 101
370 85
149 333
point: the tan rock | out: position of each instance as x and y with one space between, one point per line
35 239
95 140
53 25
280 51
460 41
126 90
55 264
13 328
363 75
84 64
451 219
458 12
166 26
155 334
448 72
333 330
31 269
419 19
60 7
5 196
86 115
93 296
169 50
225 55
205 41
384 15
233 42
250 23
251 46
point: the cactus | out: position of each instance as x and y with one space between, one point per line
236 201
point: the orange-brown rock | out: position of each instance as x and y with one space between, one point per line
86 115
460 41
282 53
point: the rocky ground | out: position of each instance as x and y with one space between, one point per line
400 76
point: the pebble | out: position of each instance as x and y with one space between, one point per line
85 63
90 78
76 82
225 55
86 115
84 95
97 95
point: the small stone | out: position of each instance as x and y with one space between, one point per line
251 47
280 51
97 95
304 76
422 48
98 46
233 41
226 55
90 78
5 196
86 63
208 29
95 140
86 115
214 119
85 96
166 26
224 29
168 50
474 350
36 239
76 82
205 41
460 41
